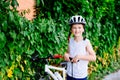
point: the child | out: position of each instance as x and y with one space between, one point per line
80 50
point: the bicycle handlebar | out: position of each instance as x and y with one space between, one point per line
35 57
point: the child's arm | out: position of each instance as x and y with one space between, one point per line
66 56
90 57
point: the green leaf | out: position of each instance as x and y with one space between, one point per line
30 52
2 40
13 34
4 26
11 16
14 3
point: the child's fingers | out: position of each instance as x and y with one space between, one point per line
66 58
75 60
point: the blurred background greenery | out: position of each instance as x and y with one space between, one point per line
47 34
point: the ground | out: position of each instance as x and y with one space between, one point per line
113 76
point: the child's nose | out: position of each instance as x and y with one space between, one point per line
77 30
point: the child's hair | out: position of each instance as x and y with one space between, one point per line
69 34
77 19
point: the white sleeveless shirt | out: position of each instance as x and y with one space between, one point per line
80 68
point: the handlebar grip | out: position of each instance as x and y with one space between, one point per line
72 58
57 56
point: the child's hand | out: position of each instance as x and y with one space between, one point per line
75 59
66 57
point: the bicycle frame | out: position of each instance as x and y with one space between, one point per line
56 75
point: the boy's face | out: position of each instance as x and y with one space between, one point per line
77 29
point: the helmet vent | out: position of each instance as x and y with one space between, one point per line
74 19
78 18
81 20
71 21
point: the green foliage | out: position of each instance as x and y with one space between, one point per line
100 16
47 34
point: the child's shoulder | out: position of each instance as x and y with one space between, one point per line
87 40
71 38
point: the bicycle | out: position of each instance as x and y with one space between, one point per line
50 74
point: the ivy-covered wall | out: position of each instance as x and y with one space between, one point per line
47 34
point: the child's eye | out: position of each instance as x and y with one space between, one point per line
74 28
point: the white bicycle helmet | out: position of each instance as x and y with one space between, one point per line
77 19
